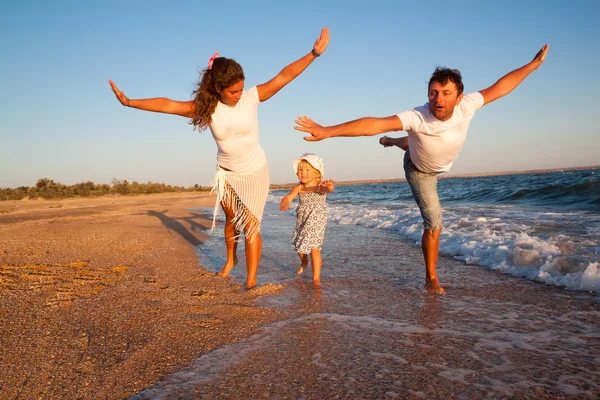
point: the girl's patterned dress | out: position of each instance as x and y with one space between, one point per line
311 218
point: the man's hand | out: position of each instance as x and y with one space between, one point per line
541 55
306 124
386 141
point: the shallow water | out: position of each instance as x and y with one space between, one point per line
371 331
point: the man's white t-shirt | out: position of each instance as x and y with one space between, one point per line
235 130
435 144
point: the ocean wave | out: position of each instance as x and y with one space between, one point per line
550 247
568 190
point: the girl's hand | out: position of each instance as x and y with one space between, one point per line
327 186
284 205
120 95
321 43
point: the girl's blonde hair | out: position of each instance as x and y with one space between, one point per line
304 162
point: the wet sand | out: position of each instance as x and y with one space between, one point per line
105 299
101 298
373 332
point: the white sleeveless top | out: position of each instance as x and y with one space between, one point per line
235 130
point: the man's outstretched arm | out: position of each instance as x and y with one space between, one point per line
401 142
367 126
508 82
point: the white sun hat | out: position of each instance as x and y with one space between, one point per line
312 159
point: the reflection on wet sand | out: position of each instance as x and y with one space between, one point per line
372 331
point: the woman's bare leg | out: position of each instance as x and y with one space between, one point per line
303 263
230 241
253 250
315 256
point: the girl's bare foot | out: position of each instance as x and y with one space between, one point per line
228 267
300 270
316 282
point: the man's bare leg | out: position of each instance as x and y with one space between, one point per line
253 251
304 263
230 242
316 260
430 243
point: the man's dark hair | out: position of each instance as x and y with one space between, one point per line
443 75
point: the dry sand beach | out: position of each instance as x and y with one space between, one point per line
100 298
105 299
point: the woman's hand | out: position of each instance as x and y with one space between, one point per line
120 95
321 43
284 205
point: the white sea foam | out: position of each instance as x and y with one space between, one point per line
549 247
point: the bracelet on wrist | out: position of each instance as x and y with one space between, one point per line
314 53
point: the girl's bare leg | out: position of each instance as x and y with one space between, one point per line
253 250
315 256
230 241
304 263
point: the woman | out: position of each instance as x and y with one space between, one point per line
230 112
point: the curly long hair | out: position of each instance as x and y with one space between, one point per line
443 75
224 73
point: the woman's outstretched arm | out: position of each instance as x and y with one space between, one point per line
289 73
157 104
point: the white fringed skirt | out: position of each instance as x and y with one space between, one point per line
246 193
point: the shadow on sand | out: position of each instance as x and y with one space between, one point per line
192 227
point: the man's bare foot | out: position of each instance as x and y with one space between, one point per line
317 283
434 286
228 267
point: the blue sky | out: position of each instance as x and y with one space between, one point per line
60 120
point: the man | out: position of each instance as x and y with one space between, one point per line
436 133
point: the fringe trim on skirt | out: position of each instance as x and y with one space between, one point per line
246 193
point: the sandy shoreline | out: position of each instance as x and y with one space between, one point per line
102 297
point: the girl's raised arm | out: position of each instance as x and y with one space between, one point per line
285 202
289 73
326 186
157 104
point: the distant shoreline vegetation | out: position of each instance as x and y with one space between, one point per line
48 189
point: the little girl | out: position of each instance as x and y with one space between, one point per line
311 213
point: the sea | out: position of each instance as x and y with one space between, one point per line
519 260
